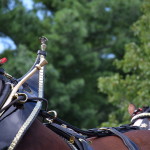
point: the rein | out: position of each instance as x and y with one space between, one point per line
20 101
60 127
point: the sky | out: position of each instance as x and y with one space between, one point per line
28 4
6 43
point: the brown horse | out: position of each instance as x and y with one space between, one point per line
140 137
16 116
40 137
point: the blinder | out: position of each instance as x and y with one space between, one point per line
1 81
5 87
1 86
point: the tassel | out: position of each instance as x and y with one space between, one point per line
3 60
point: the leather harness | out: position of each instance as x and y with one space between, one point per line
68 131
21 113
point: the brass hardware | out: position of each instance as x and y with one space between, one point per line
43 42
53 111
55 116
15 96
72 139
41 64
49 120
25 100
38 66
12 86
8 75
89 141
64 126
104 128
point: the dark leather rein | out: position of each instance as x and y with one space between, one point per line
20 101
57 124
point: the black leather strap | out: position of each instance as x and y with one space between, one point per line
5 93
40 52
99 132
79 141
89 132
129 143
2 71
1 86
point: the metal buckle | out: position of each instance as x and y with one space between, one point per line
104 128
21 94
72 139
54 116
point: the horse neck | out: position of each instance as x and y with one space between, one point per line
40 137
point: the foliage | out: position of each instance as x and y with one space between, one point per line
133 86
81 36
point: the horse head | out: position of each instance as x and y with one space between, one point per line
140 116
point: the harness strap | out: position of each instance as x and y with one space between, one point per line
78 140
21 100
40 52
90 132
129 144
101 132
6 92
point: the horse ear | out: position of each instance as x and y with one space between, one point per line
131 109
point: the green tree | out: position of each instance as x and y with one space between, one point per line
134 85
81 36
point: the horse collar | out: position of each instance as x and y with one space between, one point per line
15 122
139 116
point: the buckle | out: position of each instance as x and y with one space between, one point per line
24 100
54 116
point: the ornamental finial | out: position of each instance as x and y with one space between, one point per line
43 40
